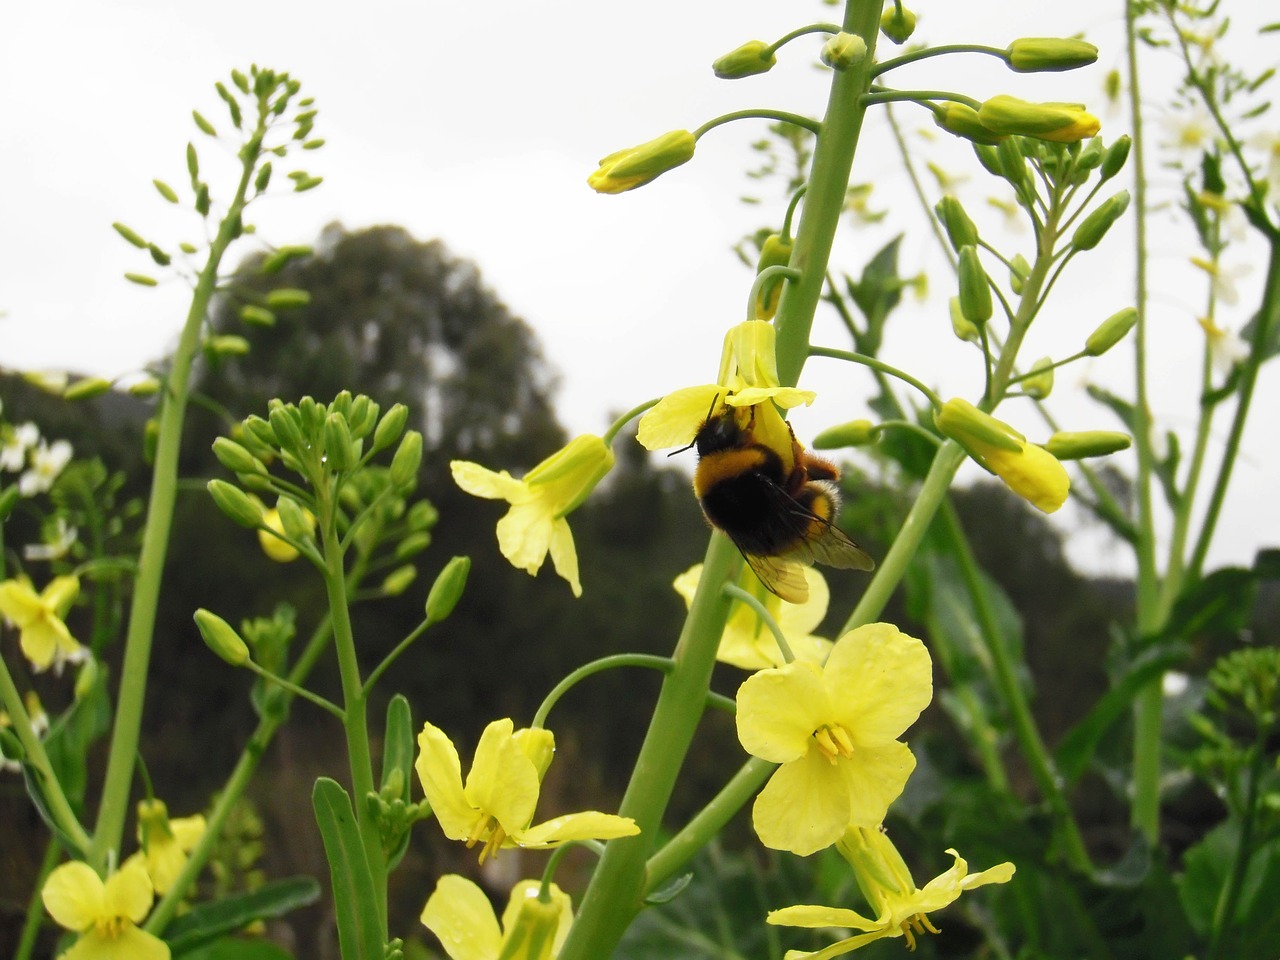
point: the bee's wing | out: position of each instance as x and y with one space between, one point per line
781 576
827 543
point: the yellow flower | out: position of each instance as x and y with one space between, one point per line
748 377
461 917
104 914
166 843
1056 122
44 638
747 642
635 166
1031 472
495 806
536 523
281 551
901 909
834 730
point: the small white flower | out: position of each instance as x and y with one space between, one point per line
1189 133
13 455
1223 279
57 541
47 461
1226 348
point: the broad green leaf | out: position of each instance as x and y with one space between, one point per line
209 922
355 901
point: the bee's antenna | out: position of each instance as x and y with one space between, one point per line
694 442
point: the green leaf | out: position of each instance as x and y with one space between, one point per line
238 948
876 293
669 890
208 922
397 755
1221 603
355 901
1121 408
1255 928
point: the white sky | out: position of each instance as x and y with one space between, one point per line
478 124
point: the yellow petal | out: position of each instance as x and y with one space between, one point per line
503 781
588 825
459 914
527 889
1036 475
440 771
675 419
779 709
60 593
19 602
807 915
129 944
482 482
524 536
873 778
129 892
74 895
803 808
564 556
42 639
879 679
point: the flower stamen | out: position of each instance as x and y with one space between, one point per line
834 742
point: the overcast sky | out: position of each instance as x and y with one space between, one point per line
478 124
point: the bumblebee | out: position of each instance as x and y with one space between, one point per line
777 506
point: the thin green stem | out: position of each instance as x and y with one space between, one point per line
761 611
663 664
391 657
313 698
938 51
763 277
780 116
922 97
917 188
801 32
874 364
626 418
123 751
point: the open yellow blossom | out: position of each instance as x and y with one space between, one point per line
901 908
1030 471
165 842
461 917
495 807
747 642
44 638
105 915
834 729
536 524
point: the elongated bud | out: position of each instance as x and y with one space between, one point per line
843 51
412 545
339 449
398 580
635 166
390 427
284 424
962 326
855 433
86 678
1111 331
975 288
86 388
1055 122
897 28
408 457
226 345
287 298
1114 159
538 744
752 58
1019 270
1012 164
236 504
960 229
962 120
257 316
1039 384
1095 226
222 638
261 431
1049 55
363 417
447 589
1087 443
130 235
774 252
235 457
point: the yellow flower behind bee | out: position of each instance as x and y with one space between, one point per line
105 915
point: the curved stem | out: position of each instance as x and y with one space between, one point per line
801 32
664 664
922 97
782 116
924 54
761 611
626 418
874 364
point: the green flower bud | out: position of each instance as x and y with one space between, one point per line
1019 270
1087 443
130 235
257 316
222 638
398 580
88 387
1013 165
165 191
422 516
1114 159
408 457
261 432
634 167
962 120
141 279
296 521
226 345
975 288
1055 122
146 387
1039 384
363 417
411 545
538 744
86 678
236 504
960 229
287 298
235 457
897 28
390 427
1111 331
340 451
285 423
1095 226
753 57
1049 54
964 328
447 589
855 433
775 252
843 51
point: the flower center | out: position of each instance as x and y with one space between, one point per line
492 842
110 928
917 925
834 742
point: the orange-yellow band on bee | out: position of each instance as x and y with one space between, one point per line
726 464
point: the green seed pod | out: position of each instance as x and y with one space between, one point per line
752 58
960 229
339 449
407 459
315 144
1095 226
855 433
129 235
1114 159
975 287
235 457
236 504
222 638
1087 443
1111 331
390 427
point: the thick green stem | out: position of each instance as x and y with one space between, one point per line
155 540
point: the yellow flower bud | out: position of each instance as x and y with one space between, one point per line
775 252
1087 443
636 166
897 28
843 51
1049 54
1056 122
752 58
1111 331
962 120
